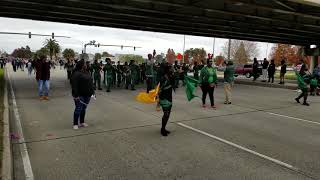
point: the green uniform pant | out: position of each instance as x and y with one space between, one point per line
130 80
97 80
108 82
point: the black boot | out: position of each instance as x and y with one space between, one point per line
306 104
163 132
165 119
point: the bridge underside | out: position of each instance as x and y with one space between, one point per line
278 21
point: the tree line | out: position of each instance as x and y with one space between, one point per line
241 52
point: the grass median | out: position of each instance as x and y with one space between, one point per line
289 75
1 113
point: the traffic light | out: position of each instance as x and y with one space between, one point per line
29 35
52 35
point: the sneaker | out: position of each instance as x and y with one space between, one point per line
100 89
75 127
204 106
225 102
108 90
306 104
84 125
298 101
41 98
46 98
229 103
213 107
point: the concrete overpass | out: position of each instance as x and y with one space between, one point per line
277 21
294 22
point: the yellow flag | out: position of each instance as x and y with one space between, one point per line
150 97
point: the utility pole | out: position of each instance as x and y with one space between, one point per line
184 45
214 43
229 49
267 50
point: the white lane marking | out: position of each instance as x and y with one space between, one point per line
23 147
241 147
298 119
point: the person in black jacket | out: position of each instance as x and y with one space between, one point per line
167 84
82 90
69 66
271 71
255 69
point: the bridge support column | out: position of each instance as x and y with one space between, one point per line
313 63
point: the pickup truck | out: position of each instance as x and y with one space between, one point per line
246 70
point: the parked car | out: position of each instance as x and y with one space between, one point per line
246 70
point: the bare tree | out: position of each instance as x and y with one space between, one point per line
241 56
251 48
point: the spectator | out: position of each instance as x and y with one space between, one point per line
271 71
283 71
265 70
42 68
29 67
2 62
14 64
82 90
69 66
255 69
228 81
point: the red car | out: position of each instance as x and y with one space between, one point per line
246 70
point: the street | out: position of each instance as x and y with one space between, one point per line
264 134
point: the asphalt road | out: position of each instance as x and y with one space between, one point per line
273 137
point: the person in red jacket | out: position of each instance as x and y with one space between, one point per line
42 68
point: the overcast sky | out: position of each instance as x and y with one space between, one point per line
82 34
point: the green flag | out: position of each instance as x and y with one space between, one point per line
301 83
190 87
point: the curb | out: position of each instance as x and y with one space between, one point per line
268 85
292 87
6 173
